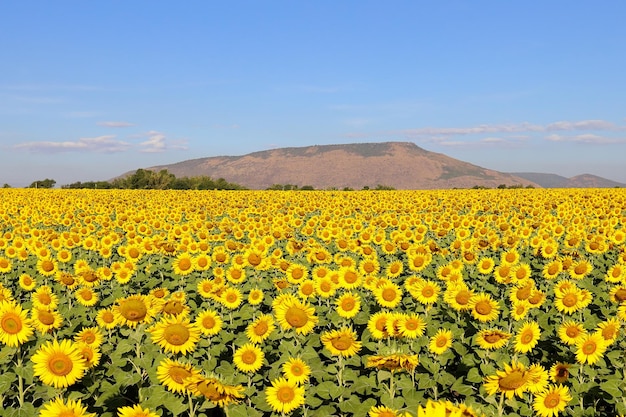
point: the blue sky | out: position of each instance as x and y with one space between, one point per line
92 89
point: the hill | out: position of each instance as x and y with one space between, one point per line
402 165
579 181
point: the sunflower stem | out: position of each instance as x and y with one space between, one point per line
581 380
192 409
501 405
20 380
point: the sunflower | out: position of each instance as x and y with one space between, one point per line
519 309
388 295
106 318
172 374
5 265
175 334
284 396
183 264
209 322
527 337
59 407
44 320
231 298
349 277
47 266
609 330
492 339
43 297
27 283
382 411
135 411
537 378
559 372
342 342
86 296
484 308
59 364
296 370
551 401
133 310
485 265
590 348
202 262
260 329
294 314
173 307
348 305
213 390
248 358
394 269
377 325
306 289
570 300
255 297
325 287
571 332
90 336
426 292
511 381
458 296
91 354
440 342
6 294
15 326
552 269
580 269
411 326
394 362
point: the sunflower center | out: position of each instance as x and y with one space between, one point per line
609 332
248 357
462 297
11 323
389 294
45 317
209 390
523 293
483 307
254 259
580 269
89 338
527 337
572 331
285 394
320 256
108 317
178 374
342 342
347 304
90 276
296 370
395 268
441 342
184 264
493 337
208 322
589 347
44 298
220 257
133 310
325 286
86 295
296 317
176 334
47 266
369 267
261 328
60 364
570 300
620 295
553 269
428 292
552 400
512 381
350 277
562 372
231 297
307 289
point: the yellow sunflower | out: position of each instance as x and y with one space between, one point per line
43 297
135 411
383 411
348 304
294 314
44 320
440 342
484 308
527 337
172 374
296 370
134 309
492 339
47 266
609 329
106 318
342 342
260 329
91 354
86 296
213 390
552 401
255 296
571 332
59 364
426 292
15 326
209 322
459 297
90 336
27 283
388 295
284 396
511 381
175 334
411 326
537 378
58 407
377 325
183 264
248 358
590 348
231 298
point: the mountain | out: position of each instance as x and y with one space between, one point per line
402 165
579 181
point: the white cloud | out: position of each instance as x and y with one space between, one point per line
584 138
157 142
101 144
582 125
115 124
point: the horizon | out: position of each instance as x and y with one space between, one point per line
90 91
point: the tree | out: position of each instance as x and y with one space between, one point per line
47 183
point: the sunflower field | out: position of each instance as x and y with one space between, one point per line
323 303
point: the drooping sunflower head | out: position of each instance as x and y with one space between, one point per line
173 374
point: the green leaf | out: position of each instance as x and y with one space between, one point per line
461 388
6 380
474 376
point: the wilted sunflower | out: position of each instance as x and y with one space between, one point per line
248 358
175 334
260 329
342 342
15 326
559 372
492 339
59 364
590 348
284 396
393 362
511 381
58 407
552 401
294 314
172 374
209 322
440 342
135 411
484 308
527 337
214 390
296 370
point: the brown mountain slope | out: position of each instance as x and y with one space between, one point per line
401 165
